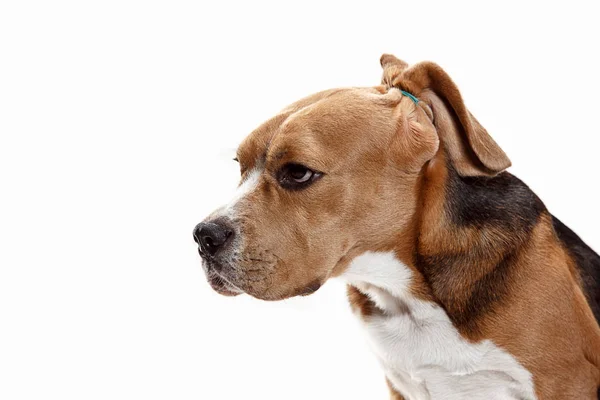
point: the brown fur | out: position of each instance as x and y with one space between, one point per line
542 319
361 303
388 168
394 395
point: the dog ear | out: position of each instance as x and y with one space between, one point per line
470 148
415 141
392 68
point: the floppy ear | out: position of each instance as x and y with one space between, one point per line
470 148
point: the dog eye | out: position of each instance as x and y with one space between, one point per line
296 176
300 174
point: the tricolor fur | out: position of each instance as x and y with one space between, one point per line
466 285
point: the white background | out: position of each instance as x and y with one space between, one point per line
117 122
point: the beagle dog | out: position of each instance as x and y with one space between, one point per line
466 285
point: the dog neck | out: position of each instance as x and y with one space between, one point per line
460 248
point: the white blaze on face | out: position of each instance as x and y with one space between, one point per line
248 186
229 212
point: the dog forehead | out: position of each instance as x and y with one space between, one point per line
320 119
254 147
352 117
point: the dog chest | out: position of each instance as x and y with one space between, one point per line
425 358
423 354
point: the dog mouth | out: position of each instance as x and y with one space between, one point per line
217 281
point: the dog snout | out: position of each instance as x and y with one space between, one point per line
212 236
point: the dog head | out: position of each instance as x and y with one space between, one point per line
337 174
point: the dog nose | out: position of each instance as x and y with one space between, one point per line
211 236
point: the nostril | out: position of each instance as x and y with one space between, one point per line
213 242
211 236
209 241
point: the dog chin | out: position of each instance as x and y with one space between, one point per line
220 286
277 295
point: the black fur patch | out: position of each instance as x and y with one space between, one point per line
587 261
502 200
443 273
506 210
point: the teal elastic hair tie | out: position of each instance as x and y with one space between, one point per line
410 96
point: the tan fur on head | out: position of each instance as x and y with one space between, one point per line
370 145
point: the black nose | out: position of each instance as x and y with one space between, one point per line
211 236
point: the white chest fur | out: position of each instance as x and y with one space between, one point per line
422 353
